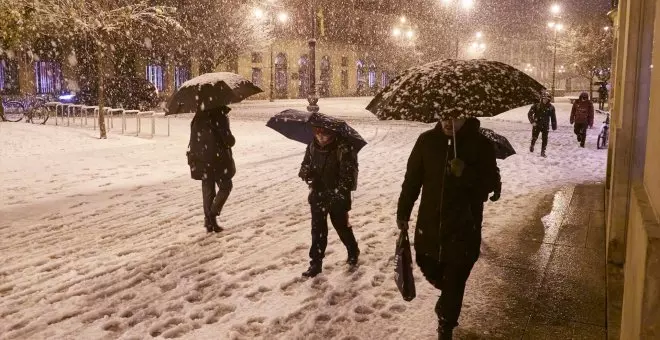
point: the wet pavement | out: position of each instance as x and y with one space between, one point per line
545 279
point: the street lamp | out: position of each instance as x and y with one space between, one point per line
555 27
555 9
282 18
465 5
312 97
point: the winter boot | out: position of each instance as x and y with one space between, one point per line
582 143
445 333
543 154
531 148
219 202
352 259
207 224
313 270
214 224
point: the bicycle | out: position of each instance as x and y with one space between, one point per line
31 107
603 136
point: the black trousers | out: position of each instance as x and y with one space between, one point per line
450 278
339 217
580 131
209 193
544 136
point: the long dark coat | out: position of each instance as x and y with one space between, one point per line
211 141
451 209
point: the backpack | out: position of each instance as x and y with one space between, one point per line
582 113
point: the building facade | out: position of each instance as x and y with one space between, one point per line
633 181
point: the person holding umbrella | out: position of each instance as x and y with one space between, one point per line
540 116
209 150
211 161
330 168
454 167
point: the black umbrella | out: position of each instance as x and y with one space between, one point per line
297 125
455 89
503 148
210 91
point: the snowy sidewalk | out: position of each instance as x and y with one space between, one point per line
544 278
103 239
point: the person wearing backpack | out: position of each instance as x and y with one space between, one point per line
330 168
211 161
582 115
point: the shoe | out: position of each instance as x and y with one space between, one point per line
531 148
445 333
313 270
207 224
582 144
214 225
543 154
352 259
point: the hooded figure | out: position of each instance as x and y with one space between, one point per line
330 168
454 186
582 115
541 115
211 161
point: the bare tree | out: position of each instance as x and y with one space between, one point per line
587 48
220 30
103 22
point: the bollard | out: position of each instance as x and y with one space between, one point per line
153 125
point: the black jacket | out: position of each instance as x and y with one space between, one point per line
211 141
542 115
451 208
331 172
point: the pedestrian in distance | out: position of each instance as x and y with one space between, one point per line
542 116
582 116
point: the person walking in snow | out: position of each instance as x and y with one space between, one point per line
211 161
602 96
454 187
330 168
582 116
541 115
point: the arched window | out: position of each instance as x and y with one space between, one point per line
281 77
326 77
372 75
303 76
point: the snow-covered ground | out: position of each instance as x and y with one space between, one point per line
103 239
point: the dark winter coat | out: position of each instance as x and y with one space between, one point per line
583 112
332 173
543 115
211 141
451 208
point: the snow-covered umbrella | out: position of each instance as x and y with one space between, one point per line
449 88
503 148
297 125
210 91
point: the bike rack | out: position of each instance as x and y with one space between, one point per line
123 118
139 122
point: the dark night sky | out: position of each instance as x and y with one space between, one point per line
529 17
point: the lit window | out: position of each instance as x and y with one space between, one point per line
48 77
155 76
181 75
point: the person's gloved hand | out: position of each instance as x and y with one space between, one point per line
457 167
533 124
496 196
402 225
